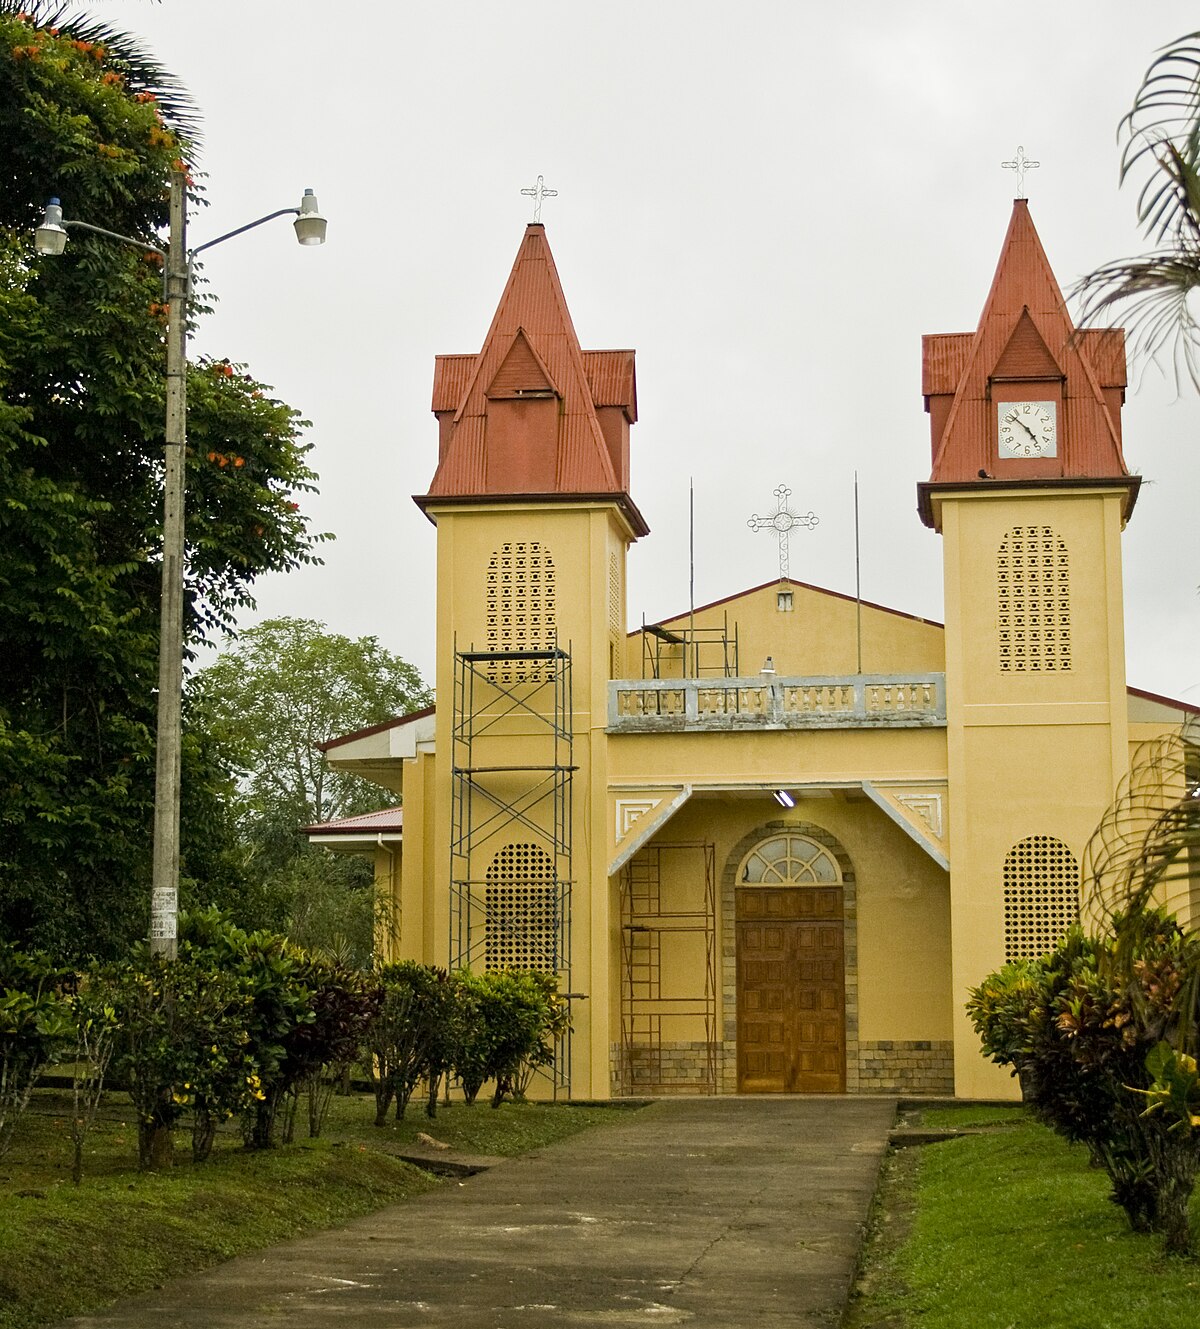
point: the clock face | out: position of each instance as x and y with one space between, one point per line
1028 428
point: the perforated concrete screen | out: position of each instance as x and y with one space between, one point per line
1041 896
521 924
520 607
1033 611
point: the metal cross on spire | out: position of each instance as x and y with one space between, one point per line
781 523
1020 163
537 193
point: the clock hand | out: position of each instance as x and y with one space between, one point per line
1026 428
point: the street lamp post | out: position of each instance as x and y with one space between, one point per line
178 264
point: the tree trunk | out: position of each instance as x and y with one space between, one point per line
204 1134
156 1146
1175 1177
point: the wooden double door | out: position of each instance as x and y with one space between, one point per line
791 990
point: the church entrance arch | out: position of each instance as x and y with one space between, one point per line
791 983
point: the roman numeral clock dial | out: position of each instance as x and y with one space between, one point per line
1028 428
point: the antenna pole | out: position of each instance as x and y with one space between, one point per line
857 576
691 577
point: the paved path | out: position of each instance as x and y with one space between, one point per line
726 1213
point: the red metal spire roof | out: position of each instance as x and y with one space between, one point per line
1025 336
532 414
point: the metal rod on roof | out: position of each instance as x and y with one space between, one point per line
857 576
692 578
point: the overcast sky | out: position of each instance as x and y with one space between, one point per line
771 202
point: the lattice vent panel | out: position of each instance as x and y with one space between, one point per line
1041 896
1033 584
521 910
520 607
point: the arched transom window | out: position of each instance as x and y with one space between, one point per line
790 859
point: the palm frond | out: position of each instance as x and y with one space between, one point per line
1162 133
1145 854
1153 290
1162 139
127 55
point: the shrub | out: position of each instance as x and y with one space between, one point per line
407 1038
556 1025
36 1025
343 1003
93 1007
1079 1028
269 973
183 1044
504 1022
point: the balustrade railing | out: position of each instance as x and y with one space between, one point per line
848 702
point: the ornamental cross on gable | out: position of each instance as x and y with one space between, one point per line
781 523
1020 163
537 193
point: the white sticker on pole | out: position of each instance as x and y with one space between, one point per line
164 913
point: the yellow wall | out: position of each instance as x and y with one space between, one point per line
587 543
902 911
1022 754
1030 753
818 636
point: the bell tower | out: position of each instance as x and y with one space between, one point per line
534 521
1030 492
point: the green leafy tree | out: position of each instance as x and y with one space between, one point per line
277 692
87 116
1161 133
286 686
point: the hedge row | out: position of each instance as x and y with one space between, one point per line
247 1025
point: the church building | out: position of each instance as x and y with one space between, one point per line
754 867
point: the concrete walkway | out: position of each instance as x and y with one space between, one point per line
728 1212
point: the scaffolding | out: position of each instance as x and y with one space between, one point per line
510 823
690 652
654 1001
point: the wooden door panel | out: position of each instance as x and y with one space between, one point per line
791 990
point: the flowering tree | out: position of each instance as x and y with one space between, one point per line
86 116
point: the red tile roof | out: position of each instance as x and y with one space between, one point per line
520 418
1025 336
382 822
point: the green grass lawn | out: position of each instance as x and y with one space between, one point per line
65 1250
1010 1229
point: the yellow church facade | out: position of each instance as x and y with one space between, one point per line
769 845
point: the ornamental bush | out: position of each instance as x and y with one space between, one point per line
1081 1032
271 975
407 1039
504 1026
320 1052
36 1025
184 1044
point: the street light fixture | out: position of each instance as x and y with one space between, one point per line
50 238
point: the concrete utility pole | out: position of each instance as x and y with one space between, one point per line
51 239
164 895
